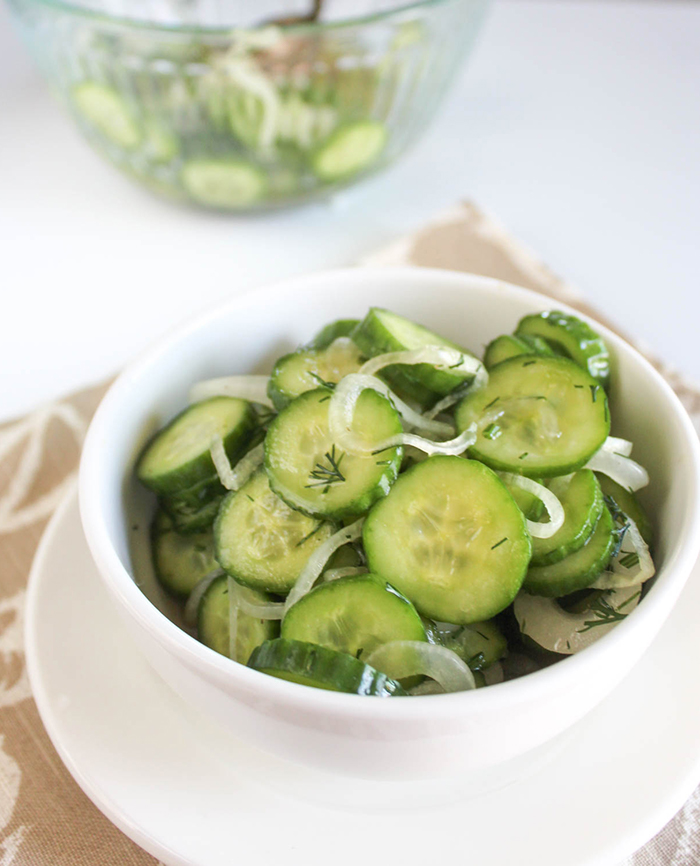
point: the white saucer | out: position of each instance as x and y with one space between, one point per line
189 793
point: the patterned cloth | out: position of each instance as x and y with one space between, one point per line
45 820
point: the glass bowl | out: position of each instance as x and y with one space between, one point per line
240 106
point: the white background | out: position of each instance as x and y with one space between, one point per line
577 124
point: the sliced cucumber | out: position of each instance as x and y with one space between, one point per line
331 332
260 541
507 346
451 538
582 499
213 622
194 509
570 336
579 569
382 331
178 458
537 417
180 561
349 150
480 644
107 111
628 503
227 184
308 471
306 369
530 505
322 668
353 615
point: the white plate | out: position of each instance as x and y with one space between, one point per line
189 793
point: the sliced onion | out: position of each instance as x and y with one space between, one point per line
318 559
407 658
437 356
617 446
189 614
621 577
447 402
623 470
341 410
458 445
233 479
348 571
553 506
252 388
233 604
257 609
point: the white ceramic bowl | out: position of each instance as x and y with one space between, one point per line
408 738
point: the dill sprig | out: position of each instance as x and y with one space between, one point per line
493 431
324 476
322 383
309 535
629 560
605 614
499 543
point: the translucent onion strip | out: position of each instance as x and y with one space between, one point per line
407 658
190 612
623 470
233 603
458 445
618 446
553 506
341 411
630 567
437 356
318 559
447 402
233 479
252 388
348 571
259 610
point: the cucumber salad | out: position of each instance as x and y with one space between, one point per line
387 514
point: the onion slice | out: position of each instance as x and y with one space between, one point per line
233 479
252 388
630 567
407 658
318 559
437 356
458 445
348 571
552 505
621 469
257 609
189 614
623 447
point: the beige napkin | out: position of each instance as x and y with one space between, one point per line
45 820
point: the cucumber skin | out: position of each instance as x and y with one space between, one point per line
421 383
583 345
195 509
628 503
359 505
552 581
542 551
331 332
322 668
507 346
200 471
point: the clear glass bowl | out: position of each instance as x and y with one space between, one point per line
199 101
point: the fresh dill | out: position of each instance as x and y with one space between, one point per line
604 614
383 463
499 543
489 405
323 399
308 535
329 386
527 363
629 560
493 431
324 476
458 364
523 455
477 662
248 496
578 386
594 392
359 652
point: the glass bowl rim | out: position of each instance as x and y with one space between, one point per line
73 8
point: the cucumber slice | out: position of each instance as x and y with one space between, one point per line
353 615
536 417
579 569
349 150
213 622
260 541
107 111
306 369
195 509
480 644
382 331
507 346
308 471
582 500
451 538
628 503
331 332
178 459
571 337
227 184
180 562
322 668
530 505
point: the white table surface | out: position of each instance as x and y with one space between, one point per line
577 124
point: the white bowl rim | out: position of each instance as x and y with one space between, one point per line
678 566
